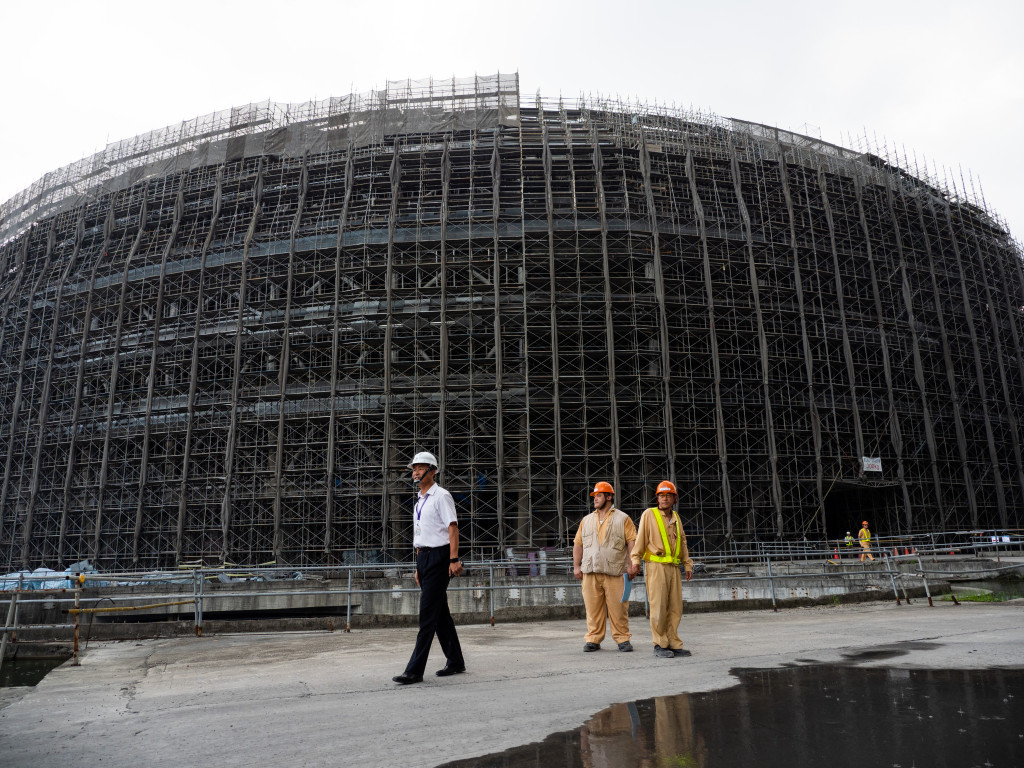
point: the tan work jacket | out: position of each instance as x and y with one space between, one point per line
605 554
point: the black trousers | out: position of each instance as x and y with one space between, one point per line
435 618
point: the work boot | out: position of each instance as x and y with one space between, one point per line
663 653
625 646
681 652
590 647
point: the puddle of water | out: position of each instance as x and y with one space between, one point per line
16 672
822 715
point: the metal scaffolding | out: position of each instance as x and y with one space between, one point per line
223 341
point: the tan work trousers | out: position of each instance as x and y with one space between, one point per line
665 596
865 550
602 595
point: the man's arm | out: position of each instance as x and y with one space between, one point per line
685 556
454 569
636 551
631 569
577 560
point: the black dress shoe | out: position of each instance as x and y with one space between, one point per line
450 669
406 679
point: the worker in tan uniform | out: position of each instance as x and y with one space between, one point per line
661 542
600 555
864 536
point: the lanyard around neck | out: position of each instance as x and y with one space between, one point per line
419 507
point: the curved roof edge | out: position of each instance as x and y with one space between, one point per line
357 120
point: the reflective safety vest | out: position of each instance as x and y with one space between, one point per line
849 541
864 534
667 557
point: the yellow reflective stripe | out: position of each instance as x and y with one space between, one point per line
664 540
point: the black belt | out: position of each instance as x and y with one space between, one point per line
432 549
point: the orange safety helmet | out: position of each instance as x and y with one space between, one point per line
666 486
865 522
602 487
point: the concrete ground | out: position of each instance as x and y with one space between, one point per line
312 699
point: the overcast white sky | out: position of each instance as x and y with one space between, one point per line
944 80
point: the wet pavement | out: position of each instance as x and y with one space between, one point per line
777 718
319 698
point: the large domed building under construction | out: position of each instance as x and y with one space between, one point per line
225 340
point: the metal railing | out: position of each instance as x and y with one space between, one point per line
778 559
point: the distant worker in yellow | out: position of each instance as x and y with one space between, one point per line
864 536
661 542
600 555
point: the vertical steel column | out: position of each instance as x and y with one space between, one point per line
919 378
895 433
286 353
394 176
332 421
940 315
812 402
1012 307
44 406
762 339
659 288
553 311
114 370
723 455
609 323
179 206
193 380
499 394
101 253
524 504
979 371
1011 417
851 371
51 237
442 416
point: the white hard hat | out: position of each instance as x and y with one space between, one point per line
424 457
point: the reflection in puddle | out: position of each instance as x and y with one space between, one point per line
821 715
14 672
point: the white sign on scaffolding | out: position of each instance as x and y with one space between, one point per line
871 463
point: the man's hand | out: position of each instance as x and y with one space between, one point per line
416 575
689 575
577 571
633 570
454 569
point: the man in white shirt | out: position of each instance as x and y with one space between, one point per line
436 539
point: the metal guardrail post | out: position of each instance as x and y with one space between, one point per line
348 603
924 578
490 589
197 596
892 578
10 622
771 583
78 604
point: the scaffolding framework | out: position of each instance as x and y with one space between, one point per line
224 341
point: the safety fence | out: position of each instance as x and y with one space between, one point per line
767 573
